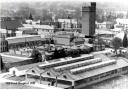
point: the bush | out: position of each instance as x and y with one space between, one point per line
36 56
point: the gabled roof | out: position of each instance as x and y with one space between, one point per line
34 70
23 38
49 73
67 76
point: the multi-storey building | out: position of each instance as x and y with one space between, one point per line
88 19
3 43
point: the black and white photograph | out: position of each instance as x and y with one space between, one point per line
63 44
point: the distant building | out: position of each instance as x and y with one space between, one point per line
88 19
4 32
107 25
98 45
11 24
121 23
67 39
63 39
45 31
106 35
3 43
78 41
15 60
68 23
26 32
16 43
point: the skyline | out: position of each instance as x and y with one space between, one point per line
117 5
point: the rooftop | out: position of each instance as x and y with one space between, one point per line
37 26
11 59
73 77
23 38
120 63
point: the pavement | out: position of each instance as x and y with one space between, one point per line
107 50
4 76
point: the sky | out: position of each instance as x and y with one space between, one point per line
117 3
120 1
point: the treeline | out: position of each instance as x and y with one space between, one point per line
61 53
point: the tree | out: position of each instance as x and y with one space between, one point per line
125 40
1 63
36 56
116 43
31 17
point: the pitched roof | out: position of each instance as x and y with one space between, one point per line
23 38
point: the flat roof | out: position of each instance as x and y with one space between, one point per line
73 59
74 77
120 63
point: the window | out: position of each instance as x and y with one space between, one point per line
33 71
48 73
65 76
14 73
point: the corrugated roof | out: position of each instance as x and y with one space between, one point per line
23 38
120 63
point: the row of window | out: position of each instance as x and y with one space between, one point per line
3 49
77 64
49 79
100 76
3 46
2 43
19 45
64 62
91 67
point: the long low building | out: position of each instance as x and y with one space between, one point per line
24 38
11 61
95 72
24 41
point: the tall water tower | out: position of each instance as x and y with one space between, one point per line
88 19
